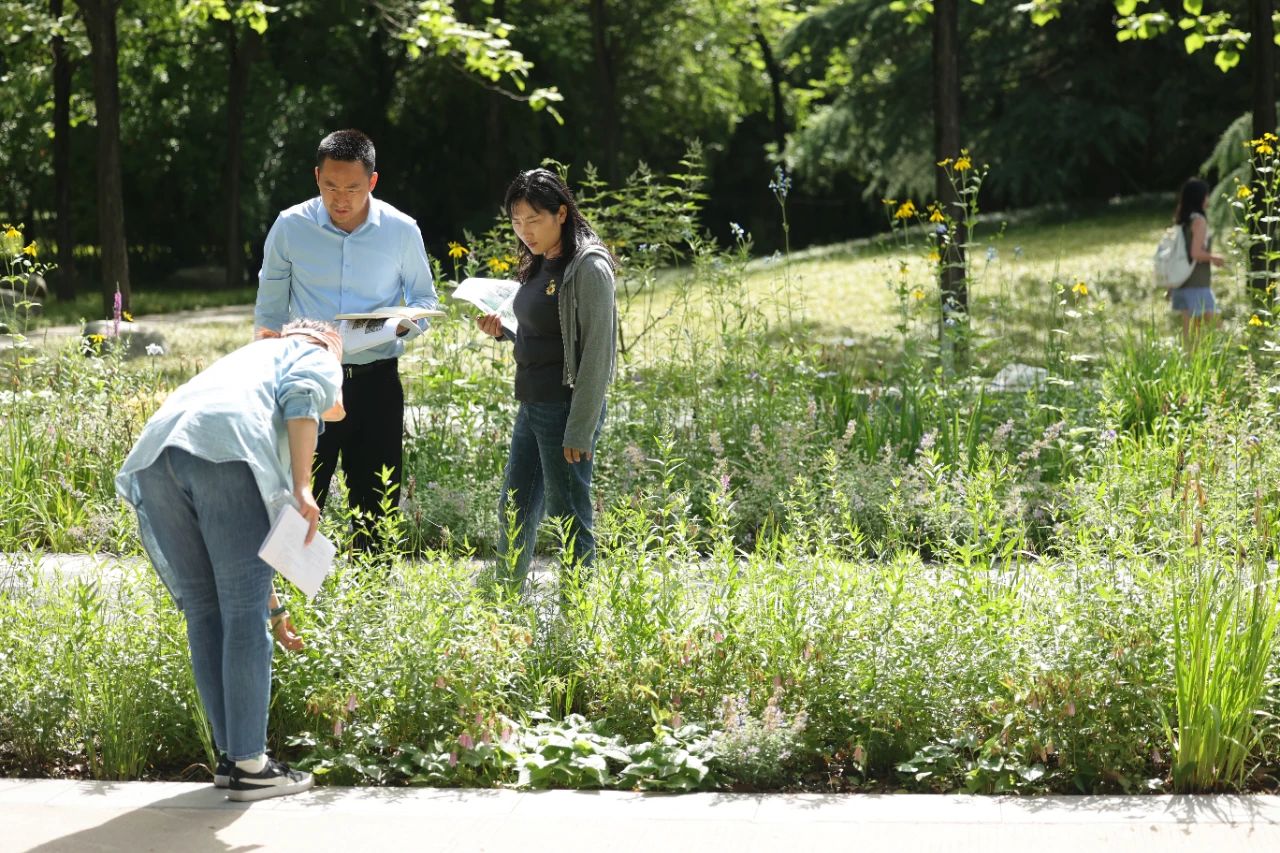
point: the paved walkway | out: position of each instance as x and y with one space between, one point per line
57 815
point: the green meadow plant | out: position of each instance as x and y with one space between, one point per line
953 584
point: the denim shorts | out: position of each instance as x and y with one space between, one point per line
1193 301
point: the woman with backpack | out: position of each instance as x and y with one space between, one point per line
1194 299
565 347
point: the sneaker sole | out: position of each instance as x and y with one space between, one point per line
249 795
222 781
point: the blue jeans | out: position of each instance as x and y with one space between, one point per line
209 521
539 481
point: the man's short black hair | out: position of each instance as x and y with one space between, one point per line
347 146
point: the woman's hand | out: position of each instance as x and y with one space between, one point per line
490 324
308 509
1217 260
285 634
573 454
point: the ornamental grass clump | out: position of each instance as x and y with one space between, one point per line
1224 634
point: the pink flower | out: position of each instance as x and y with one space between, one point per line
453 759
351 703
465 741
337 727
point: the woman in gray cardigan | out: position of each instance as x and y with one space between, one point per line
565 347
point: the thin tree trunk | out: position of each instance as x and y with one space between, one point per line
606 71
100 22
1263 67
495 171
946 123
64 278
241 50
774 70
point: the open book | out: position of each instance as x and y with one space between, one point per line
306 566
492 296
360 335
398 312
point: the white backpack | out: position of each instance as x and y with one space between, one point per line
1173 259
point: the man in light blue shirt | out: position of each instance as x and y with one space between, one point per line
344 252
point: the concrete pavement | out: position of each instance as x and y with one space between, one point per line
67 816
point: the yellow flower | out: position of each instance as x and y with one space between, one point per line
963 163
30 249
551 288
888 202
1080 289
1263 146
498 265
1255 320
457 250
936 215
934 257
906 210
917 295
126 316
1243 192
945 163
11 240
97 339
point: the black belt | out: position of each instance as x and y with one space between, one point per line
351 371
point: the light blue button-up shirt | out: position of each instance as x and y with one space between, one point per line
236 410
312 268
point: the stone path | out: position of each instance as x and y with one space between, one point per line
67 817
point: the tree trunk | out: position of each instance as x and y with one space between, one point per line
241 52
495 166
1262 54
946 124
774 70
606 71
100 23
64 277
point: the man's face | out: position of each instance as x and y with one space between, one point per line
344 188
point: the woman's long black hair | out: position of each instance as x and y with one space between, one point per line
544 191
1192 199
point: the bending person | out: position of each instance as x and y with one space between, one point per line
210 471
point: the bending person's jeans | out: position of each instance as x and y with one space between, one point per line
209 521
538 481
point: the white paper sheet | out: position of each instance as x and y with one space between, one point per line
306 566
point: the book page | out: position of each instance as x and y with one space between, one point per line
492 296
359 335
404 312
305 566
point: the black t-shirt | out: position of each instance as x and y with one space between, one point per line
539 346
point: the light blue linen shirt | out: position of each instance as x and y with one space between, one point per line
312 268
236 410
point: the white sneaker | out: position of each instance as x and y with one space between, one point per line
274 780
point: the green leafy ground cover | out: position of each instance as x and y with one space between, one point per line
832 557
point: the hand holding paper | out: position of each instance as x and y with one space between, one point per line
492 296
286 551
